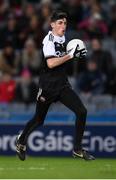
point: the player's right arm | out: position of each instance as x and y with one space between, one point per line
56 61
50 55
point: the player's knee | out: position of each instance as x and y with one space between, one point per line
39 121
82 112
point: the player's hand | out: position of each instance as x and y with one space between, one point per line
81 53
72 52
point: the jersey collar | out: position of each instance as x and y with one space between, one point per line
57 38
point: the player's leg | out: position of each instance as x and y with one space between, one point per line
36 121
70 99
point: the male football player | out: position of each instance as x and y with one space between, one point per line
54 86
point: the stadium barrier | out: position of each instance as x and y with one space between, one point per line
57 140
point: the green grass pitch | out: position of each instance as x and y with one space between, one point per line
56 168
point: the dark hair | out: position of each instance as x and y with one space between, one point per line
56 15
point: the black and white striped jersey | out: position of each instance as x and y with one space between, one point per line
53 46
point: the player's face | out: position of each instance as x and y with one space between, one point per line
59 27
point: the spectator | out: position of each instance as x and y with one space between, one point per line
75 10
111 86
21 38
92 81
7 88
86 5
35 30
28 12
94 25
9 33
26 88
9 59
3 13
112 24
102 57
16 7
45 9
31 58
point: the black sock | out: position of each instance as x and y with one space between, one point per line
31 125
79 131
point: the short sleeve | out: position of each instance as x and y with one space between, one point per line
48 49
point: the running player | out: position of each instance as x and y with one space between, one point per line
54 86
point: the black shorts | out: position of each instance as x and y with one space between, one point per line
50 96
65 95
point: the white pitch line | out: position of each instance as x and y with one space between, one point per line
21 168
1 169
36 168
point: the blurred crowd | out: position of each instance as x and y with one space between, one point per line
23 25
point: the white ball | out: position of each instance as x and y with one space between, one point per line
76 43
